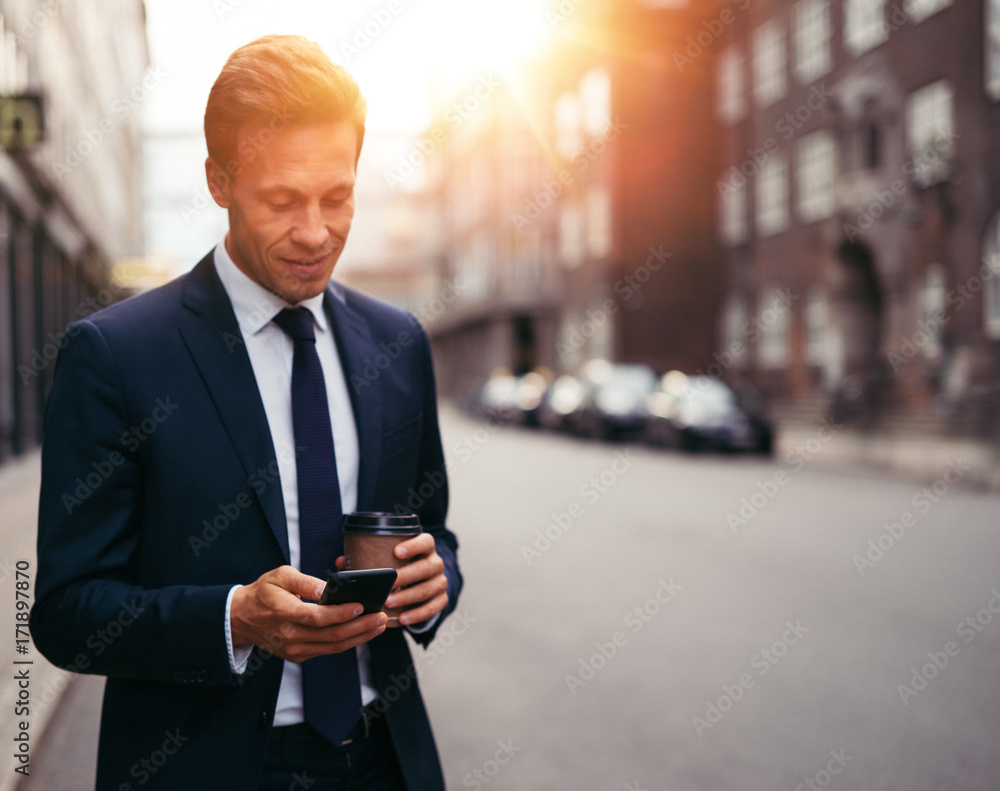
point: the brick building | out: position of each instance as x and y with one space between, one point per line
859 181
580 221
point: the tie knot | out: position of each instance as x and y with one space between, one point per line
297 323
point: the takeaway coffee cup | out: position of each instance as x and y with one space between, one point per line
370 538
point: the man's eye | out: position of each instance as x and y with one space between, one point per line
280 205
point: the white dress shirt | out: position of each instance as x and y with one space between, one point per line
271 354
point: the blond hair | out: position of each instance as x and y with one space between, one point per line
278 79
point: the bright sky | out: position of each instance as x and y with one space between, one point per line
393 47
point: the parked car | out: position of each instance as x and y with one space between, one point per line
498 395
515 398
562 404
615 404
704 413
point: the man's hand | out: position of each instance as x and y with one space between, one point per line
422 580
270 613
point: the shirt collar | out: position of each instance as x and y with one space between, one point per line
253 304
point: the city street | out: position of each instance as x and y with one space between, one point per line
650 644
637 619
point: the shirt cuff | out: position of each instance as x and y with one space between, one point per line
238 655
423 626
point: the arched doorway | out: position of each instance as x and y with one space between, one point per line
858 308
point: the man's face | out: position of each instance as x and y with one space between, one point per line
290 205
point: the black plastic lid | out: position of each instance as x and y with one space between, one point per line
382 523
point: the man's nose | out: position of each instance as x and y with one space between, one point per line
310 229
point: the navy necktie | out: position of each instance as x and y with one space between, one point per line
330 686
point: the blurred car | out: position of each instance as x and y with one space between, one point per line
615 405
704 413
562 404
516 398
498 395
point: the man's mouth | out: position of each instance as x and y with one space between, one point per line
306 263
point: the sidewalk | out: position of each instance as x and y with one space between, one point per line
45 684
922 459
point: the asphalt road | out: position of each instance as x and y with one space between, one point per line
635 619
625 631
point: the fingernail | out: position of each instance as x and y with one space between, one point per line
401 551
358 610
391 601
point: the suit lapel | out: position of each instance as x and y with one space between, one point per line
216 344
357 350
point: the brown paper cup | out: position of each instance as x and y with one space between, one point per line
369 540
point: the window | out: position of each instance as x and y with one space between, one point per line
595 102
569 141
735 319
993 48
733 208
813 33
730 103
598 222
930 133
571 234
772 196
774 320
864 24
769 63
991 257
919 10
932 306
816 172
817 323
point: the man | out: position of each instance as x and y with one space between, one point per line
201 443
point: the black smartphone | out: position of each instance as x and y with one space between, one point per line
369 587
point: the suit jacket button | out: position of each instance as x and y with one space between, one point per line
202 676
264 720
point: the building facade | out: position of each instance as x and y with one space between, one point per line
579 221
71 202
858 195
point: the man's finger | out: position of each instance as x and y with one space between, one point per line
418 545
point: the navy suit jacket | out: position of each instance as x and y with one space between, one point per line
160 492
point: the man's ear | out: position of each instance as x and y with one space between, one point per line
219 182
